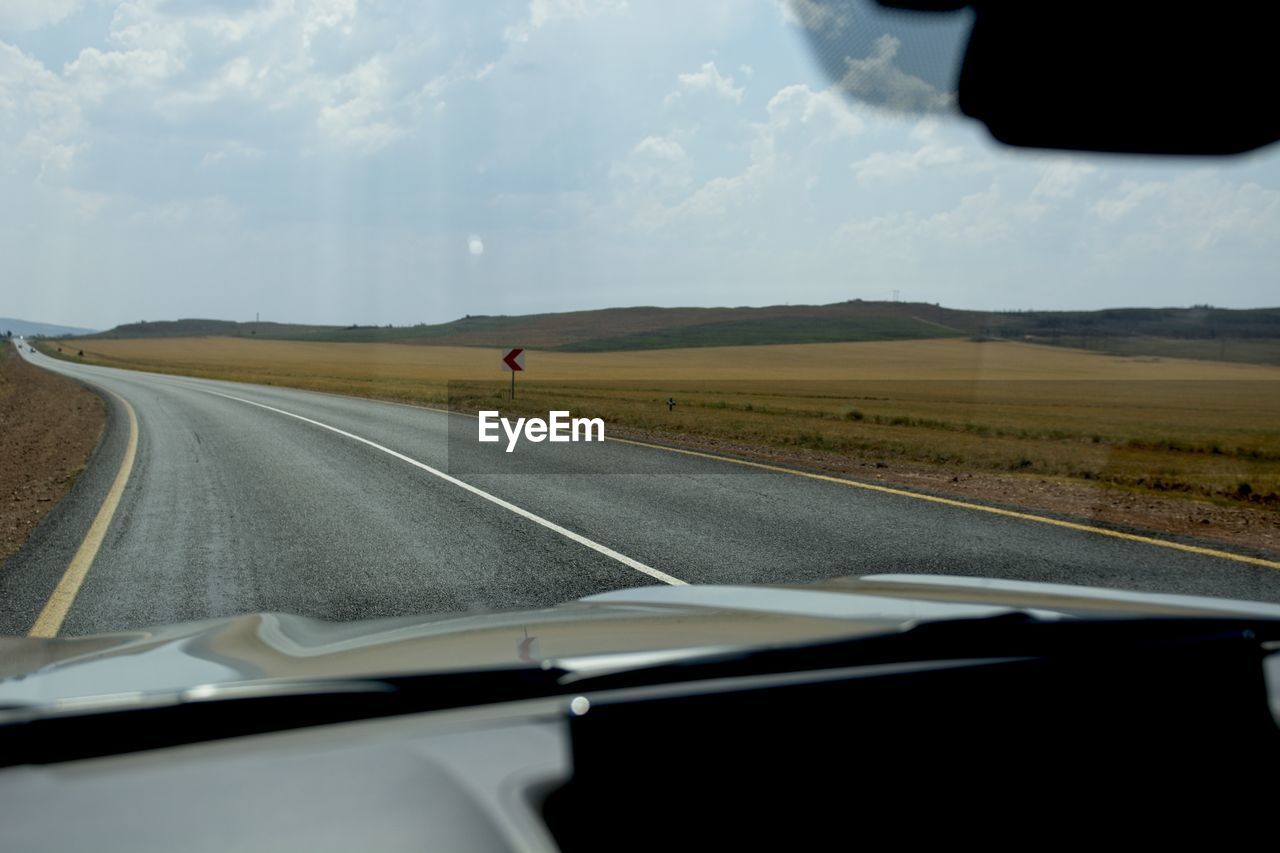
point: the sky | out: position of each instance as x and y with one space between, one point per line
374 162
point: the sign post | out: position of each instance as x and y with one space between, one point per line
513 361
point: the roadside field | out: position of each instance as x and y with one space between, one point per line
1156 426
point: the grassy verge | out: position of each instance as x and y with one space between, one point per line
1180 438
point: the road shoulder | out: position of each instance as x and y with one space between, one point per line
47 541
49 428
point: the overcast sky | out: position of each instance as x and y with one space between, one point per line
336 161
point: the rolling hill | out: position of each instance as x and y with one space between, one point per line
31 328
605 329
1203 332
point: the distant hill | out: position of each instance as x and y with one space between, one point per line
1202 322
1204 332
662 328
770 330
215 328
600 330
29 328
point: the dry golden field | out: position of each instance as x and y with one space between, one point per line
1180 427
953 359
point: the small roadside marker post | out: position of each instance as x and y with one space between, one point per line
513 361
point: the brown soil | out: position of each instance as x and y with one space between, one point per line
48 427
1248 527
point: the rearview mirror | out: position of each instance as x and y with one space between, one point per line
1131 77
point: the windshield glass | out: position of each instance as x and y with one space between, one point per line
351 310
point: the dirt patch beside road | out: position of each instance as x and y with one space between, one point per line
49 425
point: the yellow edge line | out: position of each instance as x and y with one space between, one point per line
64 594
1025 516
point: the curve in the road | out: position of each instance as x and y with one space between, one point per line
249 498
507 505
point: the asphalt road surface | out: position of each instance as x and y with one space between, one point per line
246 498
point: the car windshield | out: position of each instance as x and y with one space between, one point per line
345 310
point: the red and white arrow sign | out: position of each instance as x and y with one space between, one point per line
513 360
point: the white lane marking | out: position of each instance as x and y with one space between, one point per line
507 505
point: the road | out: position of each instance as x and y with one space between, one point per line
247 498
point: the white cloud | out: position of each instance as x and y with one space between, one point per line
1194 211
1140 241
982 218
982 246
328 15
888 166
95 74
876 80
925 129
821 113
652 176
543 13
553 154
438 85
178 63
1061 178
784 150
785 155
706 80
41 125
238 78
233 150
811 15
656 160
263 61
267 51
1129 195
158 24
719 195
205 212
359 112
26 15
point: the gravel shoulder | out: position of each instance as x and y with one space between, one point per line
49 427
